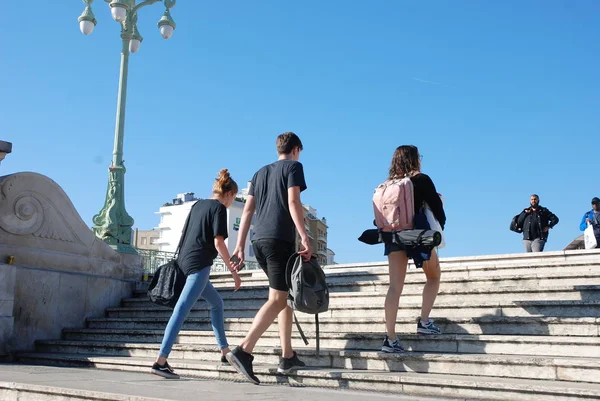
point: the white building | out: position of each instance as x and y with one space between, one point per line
173 216
330 257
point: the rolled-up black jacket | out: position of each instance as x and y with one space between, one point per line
545 218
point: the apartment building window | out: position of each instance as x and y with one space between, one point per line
153 240
144 240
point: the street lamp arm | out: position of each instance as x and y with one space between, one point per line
143 4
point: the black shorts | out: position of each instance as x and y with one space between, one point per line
272 256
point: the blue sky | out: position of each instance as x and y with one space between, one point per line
501 97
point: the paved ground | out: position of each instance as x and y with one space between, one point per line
129 385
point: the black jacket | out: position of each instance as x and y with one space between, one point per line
542 219
425 191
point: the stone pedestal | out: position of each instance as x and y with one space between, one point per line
7 286
7 299
62 274
5 148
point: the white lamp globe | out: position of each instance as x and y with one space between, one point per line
86 27
134 45
166 31
118 13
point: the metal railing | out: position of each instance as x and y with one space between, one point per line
152 260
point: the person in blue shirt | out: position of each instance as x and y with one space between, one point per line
592 217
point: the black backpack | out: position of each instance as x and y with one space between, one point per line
514 224
168 280
308 292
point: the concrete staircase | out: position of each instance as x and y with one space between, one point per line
518 327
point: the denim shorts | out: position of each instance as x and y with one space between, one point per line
391 247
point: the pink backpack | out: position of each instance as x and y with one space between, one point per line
394 205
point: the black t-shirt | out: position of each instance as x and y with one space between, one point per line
208 219
424 191
534 228
269 186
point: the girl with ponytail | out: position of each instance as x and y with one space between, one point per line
203 240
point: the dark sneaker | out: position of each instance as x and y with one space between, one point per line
224 360
242 362
392 347
427 327
286 365
165 371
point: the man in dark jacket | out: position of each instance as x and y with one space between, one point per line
535 222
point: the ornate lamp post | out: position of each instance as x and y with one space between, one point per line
113 223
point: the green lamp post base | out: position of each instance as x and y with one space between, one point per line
113 224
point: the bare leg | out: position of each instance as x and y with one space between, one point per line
264 318
432 286
398 263
285 320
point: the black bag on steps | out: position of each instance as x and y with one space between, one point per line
168 281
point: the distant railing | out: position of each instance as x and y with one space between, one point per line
152 260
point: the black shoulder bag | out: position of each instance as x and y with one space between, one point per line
168 281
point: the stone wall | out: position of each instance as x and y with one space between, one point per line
61 274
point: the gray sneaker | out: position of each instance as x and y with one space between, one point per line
392 347
427 327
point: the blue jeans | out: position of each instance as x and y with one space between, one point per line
196 285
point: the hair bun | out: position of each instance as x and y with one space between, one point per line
224 183
224 175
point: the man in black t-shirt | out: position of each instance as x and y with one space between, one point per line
274 194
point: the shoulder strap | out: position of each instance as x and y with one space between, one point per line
182 237
300 330
288 270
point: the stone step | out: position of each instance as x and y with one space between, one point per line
486 267
491 262
445 343
510 264
417 276
60 383
458 386
448 310
497 325
513 366
415 285
413 295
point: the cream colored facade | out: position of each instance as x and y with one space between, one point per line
146 239
316 229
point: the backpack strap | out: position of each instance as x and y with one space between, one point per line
318 345
288 270
182 237
300 330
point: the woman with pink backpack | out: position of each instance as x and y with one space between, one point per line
397 201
